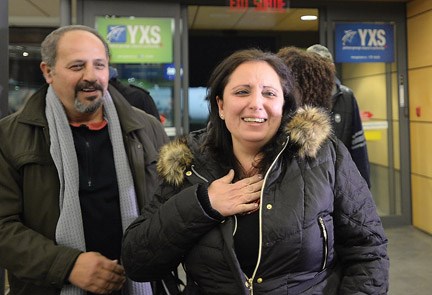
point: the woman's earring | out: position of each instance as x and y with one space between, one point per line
221 116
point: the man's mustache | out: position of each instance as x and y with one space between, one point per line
88 86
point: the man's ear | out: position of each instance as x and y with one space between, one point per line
46 71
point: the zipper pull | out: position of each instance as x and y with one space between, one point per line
248 285
323 227
325 239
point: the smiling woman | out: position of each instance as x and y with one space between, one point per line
255 202
251 106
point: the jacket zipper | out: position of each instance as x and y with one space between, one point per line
197 174
249 285
249 282
325 241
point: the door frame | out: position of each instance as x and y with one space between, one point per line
88 10
382 12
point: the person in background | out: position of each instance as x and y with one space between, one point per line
262 201
313 76
346 118
136 96
77 163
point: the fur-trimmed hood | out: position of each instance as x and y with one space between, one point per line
307 131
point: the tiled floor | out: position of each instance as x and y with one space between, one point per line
410 252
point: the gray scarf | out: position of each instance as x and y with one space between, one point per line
69 231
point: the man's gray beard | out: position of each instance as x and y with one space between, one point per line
87 109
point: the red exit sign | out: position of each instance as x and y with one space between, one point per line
261 5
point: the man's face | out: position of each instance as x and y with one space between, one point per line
80 75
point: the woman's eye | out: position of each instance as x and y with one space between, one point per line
241 92
269 93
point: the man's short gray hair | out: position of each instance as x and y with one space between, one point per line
321 50
49 45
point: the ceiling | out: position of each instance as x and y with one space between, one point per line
222 18
45 13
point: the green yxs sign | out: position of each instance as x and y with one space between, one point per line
138 40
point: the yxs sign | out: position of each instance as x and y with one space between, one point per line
364 42
138 34
138 40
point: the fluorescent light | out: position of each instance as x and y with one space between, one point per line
308 17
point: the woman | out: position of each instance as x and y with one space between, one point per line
262 201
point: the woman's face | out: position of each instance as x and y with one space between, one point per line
252 104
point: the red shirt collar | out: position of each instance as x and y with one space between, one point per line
92 126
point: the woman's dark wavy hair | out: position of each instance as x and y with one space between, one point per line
219 140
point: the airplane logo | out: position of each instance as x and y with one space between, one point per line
116 34
348 36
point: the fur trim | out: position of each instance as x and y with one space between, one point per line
308 130
174 158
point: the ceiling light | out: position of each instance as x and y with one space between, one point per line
308 17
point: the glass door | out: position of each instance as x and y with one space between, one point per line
380 89
147 49
374 85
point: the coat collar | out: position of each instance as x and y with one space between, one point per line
33 112
309 128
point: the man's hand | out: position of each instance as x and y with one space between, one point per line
233 198
95 273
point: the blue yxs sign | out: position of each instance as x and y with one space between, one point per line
364 42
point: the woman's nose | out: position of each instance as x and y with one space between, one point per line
256 101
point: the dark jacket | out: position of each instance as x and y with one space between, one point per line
348 128
320 233
137 96
29 186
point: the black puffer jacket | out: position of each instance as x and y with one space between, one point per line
319 230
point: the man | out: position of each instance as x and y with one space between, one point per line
136 96
346 119
76 165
